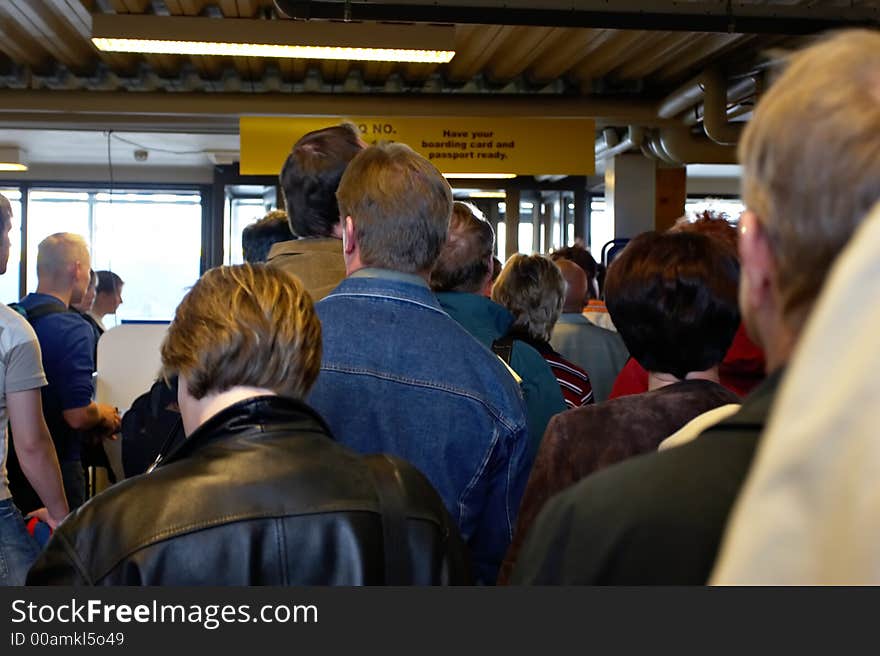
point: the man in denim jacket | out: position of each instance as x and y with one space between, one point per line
399 375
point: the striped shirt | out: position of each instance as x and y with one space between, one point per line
572 379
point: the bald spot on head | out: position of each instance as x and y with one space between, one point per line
575 285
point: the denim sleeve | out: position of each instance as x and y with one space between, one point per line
501 487
74 371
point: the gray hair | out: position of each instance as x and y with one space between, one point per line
533 289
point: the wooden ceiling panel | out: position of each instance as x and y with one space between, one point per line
79 19
479 43
130 6
185 7
521 48
229 8
21 47
707 48
570 46
59 37
597 62
667 49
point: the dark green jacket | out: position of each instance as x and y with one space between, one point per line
487 321
656 519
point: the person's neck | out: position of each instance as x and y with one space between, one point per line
658 379
203 409
572 309
777 336
61 294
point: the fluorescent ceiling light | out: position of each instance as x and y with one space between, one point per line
237 37
487 194
12 159
481 176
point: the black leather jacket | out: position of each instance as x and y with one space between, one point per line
259 494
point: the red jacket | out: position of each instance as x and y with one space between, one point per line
740 371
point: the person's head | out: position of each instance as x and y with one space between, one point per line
575 285
258 237
465 262
531 287
811 172
584 259
673 298
88 299
250 326
5 228
710 224
311 174
108 296
64 265
395 207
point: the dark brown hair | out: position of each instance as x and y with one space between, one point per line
466 257
673 299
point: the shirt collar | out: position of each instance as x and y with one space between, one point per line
387 274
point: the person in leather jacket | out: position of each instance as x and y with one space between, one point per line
259 493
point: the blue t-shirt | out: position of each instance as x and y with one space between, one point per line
67 342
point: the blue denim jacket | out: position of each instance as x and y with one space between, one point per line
400 376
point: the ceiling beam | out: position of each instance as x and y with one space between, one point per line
89 105
740 17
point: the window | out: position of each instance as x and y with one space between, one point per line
601 226
240 212
9 281
151 239
732 207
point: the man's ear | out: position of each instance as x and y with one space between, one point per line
758 267
349 241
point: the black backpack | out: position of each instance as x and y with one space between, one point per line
151 427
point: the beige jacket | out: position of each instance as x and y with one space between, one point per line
318 263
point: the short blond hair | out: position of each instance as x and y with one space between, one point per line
811 160
400 205
247 325
532 288
57 252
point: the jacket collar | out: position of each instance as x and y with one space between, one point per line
756 406
386 288
306 245
250 415
480 316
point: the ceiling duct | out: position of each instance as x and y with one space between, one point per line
608 145
716 95
679 145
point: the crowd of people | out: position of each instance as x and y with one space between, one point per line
374 399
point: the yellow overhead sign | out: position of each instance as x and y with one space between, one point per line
456 145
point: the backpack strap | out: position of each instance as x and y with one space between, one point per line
38 311
389 489
503 348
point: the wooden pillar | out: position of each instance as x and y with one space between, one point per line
511 222
582 227
671 195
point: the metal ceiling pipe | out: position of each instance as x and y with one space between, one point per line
739 91
683 147
655 150
682 99
715 122
635 135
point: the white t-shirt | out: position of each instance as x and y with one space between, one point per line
21 368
